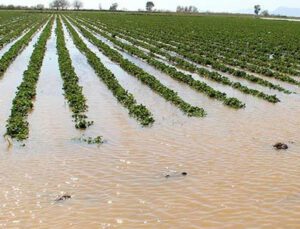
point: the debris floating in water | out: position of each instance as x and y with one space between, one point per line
176 175
281 146
63 197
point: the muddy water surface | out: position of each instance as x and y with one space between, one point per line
235 179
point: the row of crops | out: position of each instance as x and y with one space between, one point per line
177 46
268 48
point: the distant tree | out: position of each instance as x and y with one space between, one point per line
40 7
179 9
77 4
149 6
100 6
265 13
193 9
65 4
113 7
187 9
257 9
60 4
10 6
55 4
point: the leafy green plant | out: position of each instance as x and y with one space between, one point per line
73 92
138 111
236 50
161 48
144 77
17 125
7 34
15 50
171 71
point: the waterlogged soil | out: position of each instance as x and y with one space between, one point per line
108 115
141 92
6 47
181 88
50 104
281 19
288 86
9 83
163 59
235 179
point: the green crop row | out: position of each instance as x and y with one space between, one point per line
201 71
140 112
15 49
73 92
13 35
256 44
177 75
144 77
159 46
232 57
226 63
17 124
17 32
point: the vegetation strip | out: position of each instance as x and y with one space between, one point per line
15 34
230 68
201 71
226 65
225 56
73 92
232 57
188 79
255 43
147 79
7 34
140 112
157 48
17 125
15 50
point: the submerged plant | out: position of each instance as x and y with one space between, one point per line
91 140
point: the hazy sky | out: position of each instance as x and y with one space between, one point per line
203 5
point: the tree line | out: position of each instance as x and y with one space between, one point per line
78 4
187 9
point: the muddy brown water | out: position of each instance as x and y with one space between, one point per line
235 178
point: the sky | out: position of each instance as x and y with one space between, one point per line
202 5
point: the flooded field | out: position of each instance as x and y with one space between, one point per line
217 171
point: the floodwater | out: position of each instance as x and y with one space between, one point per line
8 46
280 19
235 179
